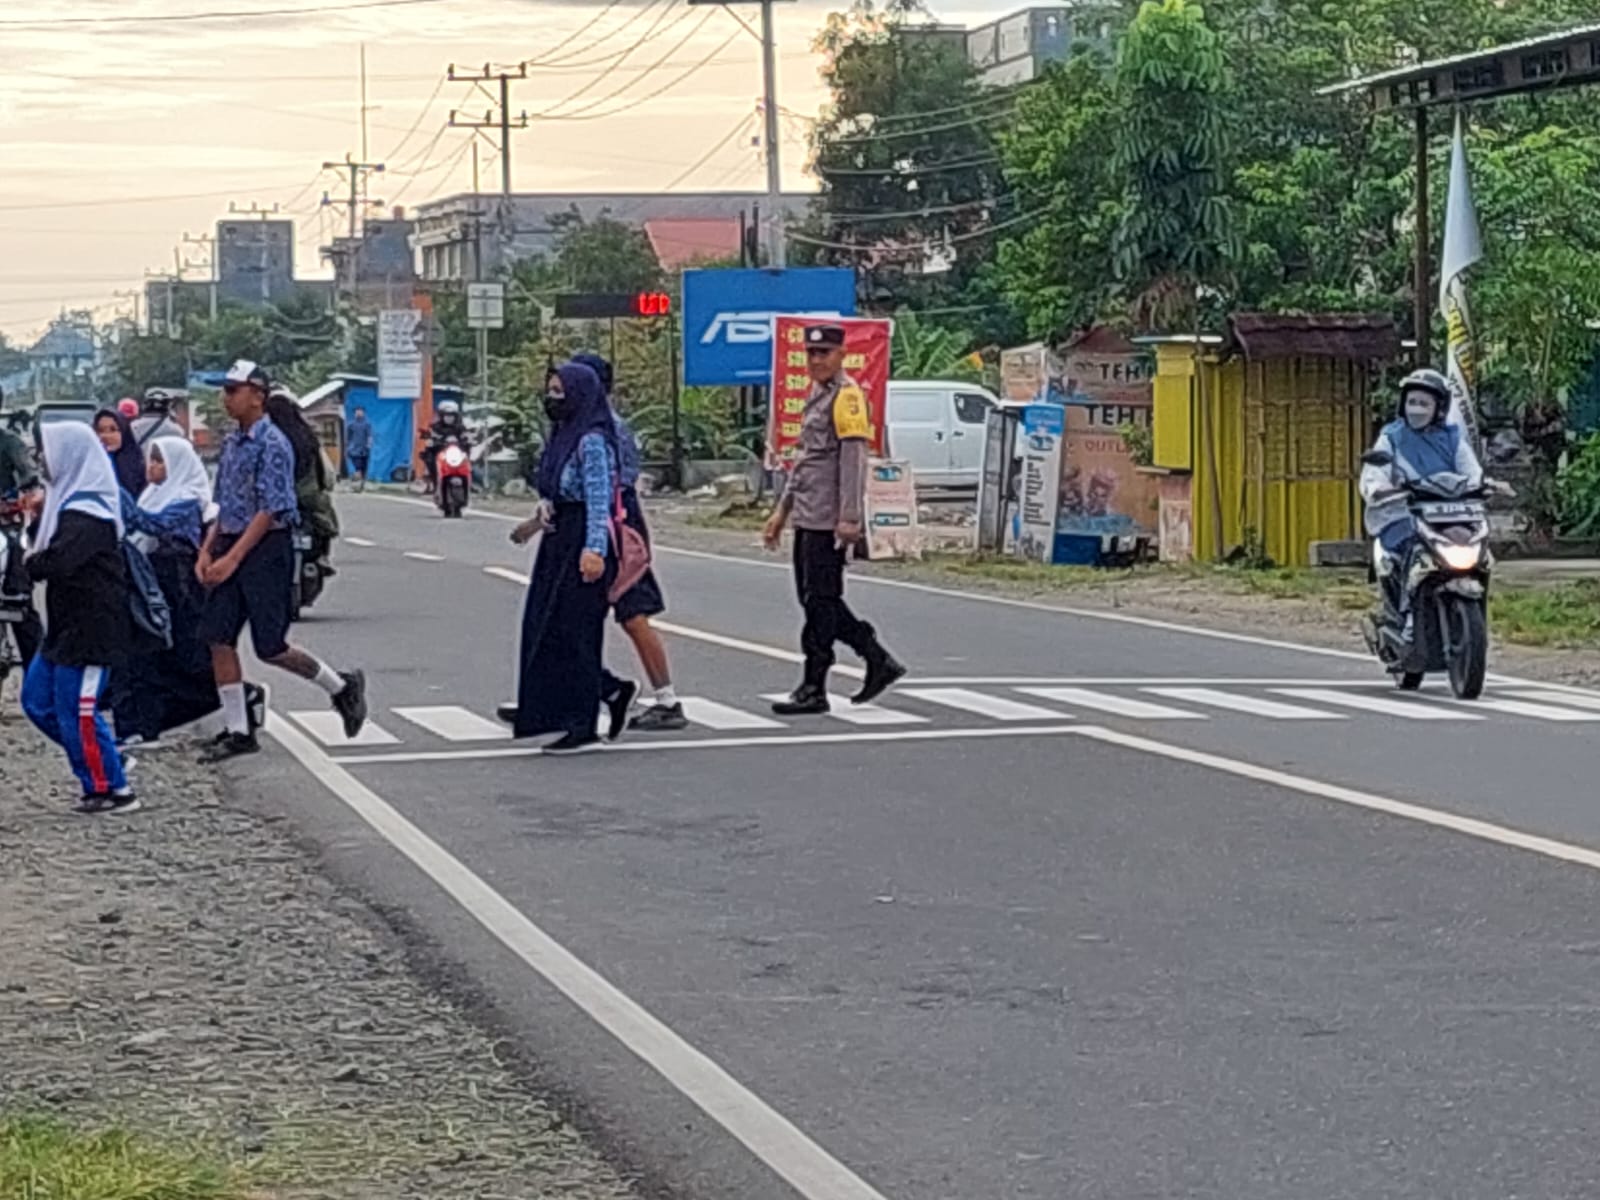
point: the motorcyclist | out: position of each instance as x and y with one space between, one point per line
447 424
155 418
1421 443
19 483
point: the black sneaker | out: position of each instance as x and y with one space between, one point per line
255 706
351 703
574 743
882 674
507 713
806 701
660 718
92 804
229 745
126 802
617 706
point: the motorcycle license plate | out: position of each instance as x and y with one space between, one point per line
1450 511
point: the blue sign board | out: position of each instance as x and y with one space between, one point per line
727 316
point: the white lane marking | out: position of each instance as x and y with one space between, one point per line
328 728
1410 710
840 709
480 513
1471 826
423 556
355 541
1108 702
930 733
454 723
722 716
1526 708
997 707
510 576
1254 705
1575 699
771 1137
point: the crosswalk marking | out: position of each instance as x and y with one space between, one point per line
454 723
359 541
1108 702
1526 708
328 728
722 716
1410 710
1570 699
1256 706
424 556
997 707
840 708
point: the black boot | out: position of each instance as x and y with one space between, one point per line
883 672
807 700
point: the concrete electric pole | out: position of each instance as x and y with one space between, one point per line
209 241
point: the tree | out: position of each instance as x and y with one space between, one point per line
12 358
906 156
1177 230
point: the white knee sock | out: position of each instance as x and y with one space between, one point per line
666 696
234 716
328 679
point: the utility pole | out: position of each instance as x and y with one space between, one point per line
357 172
209 241
777 250
505 122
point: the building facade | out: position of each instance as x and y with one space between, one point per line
1017 48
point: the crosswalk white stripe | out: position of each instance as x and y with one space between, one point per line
840 708
997 707
1526 708
454 723
1570 699
722 716
424 556
1256 706
1410 710
328 728
1102 703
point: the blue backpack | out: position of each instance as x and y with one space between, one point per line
147 604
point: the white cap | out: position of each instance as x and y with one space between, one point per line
245 371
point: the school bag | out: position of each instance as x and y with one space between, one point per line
633 553
147 604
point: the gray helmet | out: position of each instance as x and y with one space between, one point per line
156 400
1430 381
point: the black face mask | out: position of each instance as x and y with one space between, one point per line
555 407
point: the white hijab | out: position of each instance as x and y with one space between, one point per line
186 478
80 478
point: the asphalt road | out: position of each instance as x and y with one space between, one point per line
1092 908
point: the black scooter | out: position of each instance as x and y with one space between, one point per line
20 627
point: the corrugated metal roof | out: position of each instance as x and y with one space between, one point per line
1422 70
1362 337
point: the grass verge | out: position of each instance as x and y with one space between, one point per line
43 1159
1565 614
738 515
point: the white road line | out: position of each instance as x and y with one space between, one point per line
355 541
924 734
1254 705
454 723
1575 700
328 728
1410 710
510 576
1109 702
1526 708
424 556
840 709
809 1169
997 707
1471 826
722 716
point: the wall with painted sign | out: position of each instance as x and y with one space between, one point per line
1103 492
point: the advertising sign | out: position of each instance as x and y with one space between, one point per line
1031 375
866 362
399 354
891 516
1103 493
486 305
727 316
1043 428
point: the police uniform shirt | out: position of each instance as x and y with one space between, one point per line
829 478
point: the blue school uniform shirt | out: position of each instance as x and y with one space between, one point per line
588 477
178 525
256 475
628 447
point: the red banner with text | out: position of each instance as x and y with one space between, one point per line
866 362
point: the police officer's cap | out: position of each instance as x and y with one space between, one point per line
831 336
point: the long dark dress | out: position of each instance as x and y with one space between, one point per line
563 634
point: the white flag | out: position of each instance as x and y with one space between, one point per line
1461 250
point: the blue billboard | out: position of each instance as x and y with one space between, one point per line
727 316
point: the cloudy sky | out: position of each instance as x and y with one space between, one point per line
123 125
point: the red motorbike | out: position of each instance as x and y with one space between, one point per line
454 471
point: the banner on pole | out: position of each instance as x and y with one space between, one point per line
866 362
1462 248
400 354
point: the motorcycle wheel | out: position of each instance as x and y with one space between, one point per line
1469 643
1408 681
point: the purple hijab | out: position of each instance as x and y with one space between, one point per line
585 411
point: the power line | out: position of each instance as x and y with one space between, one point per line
881 135
921 169
422 116
637 101
623 57
708 155
548 55
215 15
655 66
917 214
926 244
118 200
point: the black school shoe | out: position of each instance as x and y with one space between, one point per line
805 701
617 707
351 703
107 802
229 745
660 718
573 743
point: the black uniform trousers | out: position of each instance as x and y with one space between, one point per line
819 580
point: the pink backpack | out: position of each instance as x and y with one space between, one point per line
633 553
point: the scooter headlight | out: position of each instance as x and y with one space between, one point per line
1460 558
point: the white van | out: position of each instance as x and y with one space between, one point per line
937 426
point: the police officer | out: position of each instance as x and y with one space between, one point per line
825 499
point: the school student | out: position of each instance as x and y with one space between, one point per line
246 564
77 555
